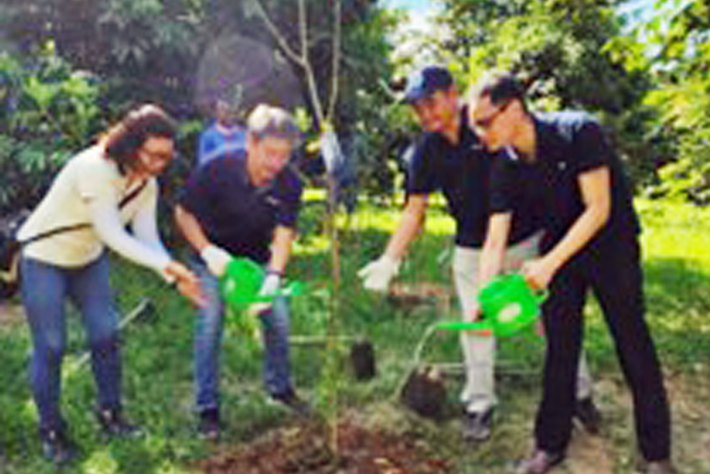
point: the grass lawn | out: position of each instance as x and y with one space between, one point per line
158 381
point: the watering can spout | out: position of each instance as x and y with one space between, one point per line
480 327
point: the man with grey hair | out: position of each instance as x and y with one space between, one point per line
243 205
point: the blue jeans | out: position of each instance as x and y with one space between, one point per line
44 290
208 339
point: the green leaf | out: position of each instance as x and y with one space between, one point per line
42 94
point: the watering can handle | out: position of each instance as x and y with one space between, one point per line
541 295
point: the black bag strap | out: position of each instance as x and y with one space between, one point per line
48 233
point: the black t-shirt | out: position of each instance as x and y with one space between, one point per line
568 145
462 173
236 215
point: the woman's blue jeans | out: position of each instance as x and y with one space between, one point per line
45 288
208 339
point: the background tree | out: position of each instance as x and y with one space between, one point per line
651 89
47 111
681 66
563 50
150 50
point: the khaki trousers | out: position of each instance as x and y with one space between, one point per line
478 394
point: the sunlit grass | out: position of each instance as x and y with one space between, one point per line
158 351
675 230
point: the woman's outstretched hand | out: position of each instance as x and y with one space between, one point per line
186 282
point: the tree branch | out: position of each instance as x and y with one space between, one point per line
306 64
280 39
337 38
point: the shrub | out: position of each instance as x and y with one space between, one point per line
47 112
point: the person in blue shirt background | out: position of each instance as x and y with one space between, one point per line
225 136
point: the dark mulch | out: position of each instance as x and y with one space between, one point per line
305 449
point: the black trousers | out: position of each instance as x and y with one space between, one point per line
613 272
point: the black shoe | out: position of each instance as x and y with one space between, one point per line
588 415
539 462
115 425
477 426
57 446
208 425
293 402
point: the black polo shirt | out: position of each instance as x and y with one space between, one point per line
236 215
568 145
462 173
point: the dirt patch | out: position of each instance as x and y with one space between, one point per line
408 297
11 315
305 449
589 455
615 450
689 394
387 439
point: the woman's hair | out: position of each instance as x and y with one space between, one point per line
267 121
124 139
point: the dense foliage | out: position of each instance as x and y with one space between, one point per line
682 38
647 80
561 50
69 68
130 51
47 110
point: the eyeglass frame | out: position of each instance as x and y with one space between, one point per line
156 156
486 123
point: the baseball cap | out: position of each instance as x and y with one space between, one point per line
424 82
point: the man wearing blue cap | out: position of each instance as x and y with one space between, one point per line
451 159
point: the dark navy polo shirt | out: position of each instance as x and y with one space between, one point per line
462 173
568 145
236 215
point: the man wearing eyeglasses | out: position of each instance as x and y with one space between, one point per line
563 161
451 159
244 205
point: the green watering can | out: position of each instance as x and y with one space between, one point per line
240 286
241 283
508 305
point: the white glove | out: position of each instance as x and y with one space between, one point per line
216 259
271 284
376 275
269 287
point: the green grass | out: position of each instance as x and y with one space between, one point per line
158 356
